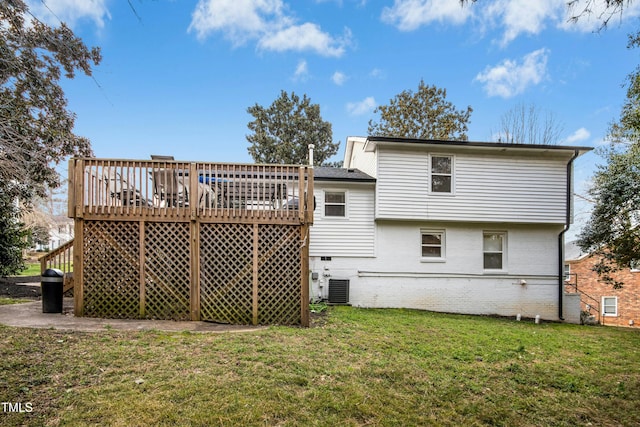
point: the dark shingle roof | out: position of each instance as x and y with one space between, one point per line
341 174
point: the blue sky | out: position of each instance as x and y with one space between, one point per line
177 76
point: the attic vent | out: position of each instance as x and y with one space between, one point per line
338 291
351 170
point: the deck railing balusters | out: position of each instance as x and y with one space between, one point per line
147 189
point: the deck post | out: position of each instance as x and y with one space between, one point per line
301 196
78 267
195 270
71 197
304 275
76 190
195 241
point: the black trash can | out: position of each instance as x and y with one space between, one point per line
52 285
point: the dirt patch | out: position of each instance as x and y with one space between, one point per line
20 290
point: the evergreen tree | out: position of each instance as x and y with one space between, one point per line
283 131
425 114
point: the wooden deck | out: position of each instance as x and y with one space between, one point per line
211 192
191 240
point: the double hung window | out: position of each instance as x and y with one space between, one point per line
432 244
610 306
493 250
335 203
442 174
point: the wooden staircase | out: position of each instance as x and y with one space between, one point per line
60 258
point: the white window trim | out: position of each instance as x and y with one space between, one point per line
443 250
609 314
505 245
346 204
453 174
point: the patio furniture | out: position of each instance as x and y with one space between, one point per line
168 189
119 188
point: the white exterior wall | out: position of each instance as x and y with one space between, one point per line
487 186
358 158
399 277
351 236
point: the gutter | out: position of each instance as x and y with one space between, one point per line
567 225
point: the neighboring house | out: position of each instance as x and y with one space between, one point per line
60 232
608 306
446 226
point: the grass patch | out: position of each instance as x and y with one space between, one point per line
33 269
7 301
361 367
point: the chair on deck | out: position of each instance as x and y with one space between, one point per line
120 189
167 187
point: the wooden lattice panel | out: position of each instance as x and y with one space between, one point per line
167 271
279 274
226 273
111 269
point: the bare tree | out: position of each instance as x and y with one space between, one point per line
603 10
526 124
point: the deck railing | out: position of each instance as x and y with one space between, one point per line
60 258
216 192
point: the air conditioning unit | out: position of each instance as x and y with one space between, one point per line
338 291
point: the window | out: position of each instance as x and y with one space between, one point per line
610 306
335 204
432 244
493 250
567 272
441 174
634 265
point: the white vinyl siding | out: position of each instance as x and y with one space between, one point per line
402 185
352 235
488 187
365 161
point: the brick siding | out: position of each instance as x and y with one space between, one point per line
588 283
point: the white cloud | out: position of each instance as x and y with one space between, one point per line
511 18
239 20
377 73
302 71
581 134
70 11
304 37
265 21
519 17
408 15
339 78
510 78
362 107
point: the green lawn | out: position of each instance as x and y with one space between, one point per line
33 269
354 367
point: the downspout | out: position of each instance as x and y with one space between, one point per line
567 224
